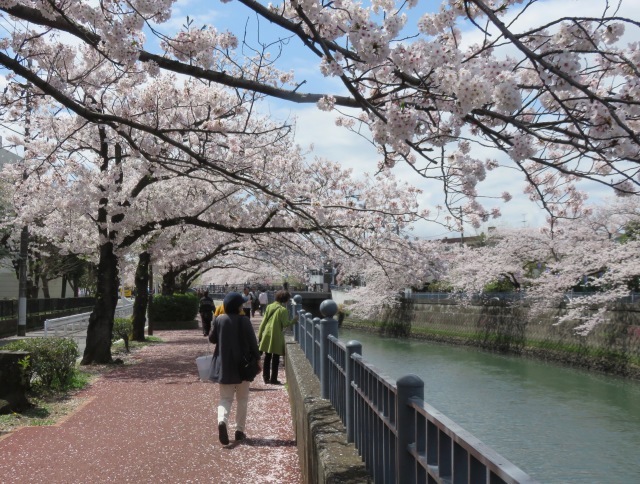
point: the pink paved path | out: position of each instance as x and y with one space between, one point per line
156 422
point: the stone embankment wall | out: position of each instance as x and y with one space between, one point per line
613 347
325 456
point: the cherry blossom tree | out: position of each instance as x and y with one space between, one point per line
408 264
556 99
110 192
590 252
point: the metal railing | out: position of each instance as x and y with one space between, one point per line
450 297
76 323
400 437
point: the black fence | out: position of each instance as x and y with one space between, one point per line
38 310
227 288
9 307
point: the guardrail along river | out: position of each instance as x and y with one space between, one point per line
558 424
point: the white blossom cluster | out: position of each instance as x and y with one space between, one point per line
591 251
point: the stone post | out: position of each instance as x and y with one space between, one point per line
13 382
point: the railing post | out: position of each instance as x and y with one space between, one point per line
309 344
314 355
328 326
407 387
349 367
302 322
297 306
290 309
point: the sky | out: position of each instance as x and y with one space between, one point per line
317 128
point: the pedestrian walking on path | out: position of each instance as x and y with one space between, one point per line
234 337
271 336
155 422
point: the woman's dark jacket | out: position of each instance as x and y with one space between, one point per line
233 335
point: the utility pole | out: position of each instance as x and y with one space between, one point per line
22 282
150 301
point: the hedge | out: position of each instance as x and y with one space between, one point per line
175 308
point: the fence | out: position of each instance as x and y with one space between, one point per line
480 298
399 436
79 322
9 307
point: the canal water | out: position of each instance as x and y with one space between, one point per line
560 425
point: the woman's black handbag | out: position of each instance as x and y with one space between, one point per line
249 367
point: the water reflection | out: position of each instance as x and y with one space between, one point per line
558 424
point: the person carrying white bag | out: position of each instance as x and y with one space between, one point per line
235 342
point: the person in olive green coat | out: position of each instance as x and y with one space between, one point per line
271 336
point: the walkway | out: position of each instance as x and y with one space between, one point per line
154 421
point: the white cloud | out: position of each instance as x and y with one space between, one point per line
542 12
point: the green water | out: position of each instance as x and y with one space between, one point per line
557 424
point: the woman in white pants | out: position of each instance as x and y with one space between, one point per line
233 336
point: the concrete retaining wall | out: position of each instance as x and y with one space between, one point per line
612 347
325 456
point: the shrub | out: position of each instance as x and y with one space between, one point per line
439 286
122 328
53 360
178 307
342 313
500 285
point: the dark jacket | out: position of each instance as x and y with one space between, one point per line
226 334
206 305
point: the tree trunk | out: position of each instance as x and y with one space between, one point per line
98 349
142 296
63 291
168 283
75 285
183 283
32 287
45 287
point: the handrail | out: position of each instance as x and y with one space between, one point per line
401 438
